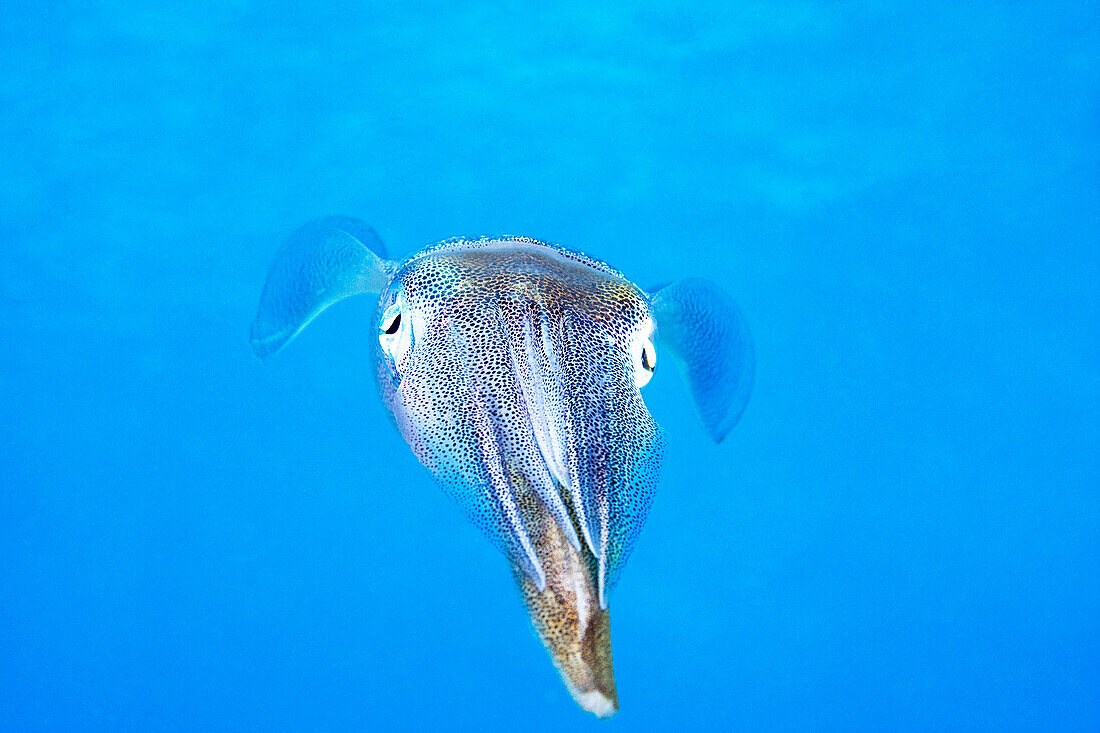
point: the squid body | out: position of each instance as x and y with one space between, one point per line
514 370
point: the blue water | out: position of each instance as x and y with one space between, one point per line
902 534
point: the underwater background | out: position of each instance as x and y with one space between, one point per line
903 533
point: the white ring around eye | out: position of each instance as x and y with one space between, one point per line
390 318
395 334
644 358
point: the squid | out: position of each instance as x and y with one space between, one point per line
514 369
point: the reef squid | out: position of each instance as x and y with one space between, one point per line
514 369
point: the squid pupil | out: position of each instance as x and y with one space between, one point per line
645 360
394 324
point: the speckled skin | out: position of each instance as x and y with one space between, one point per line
518 395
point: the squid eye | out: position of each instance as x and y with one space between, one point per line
649 355
395 335
645 360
